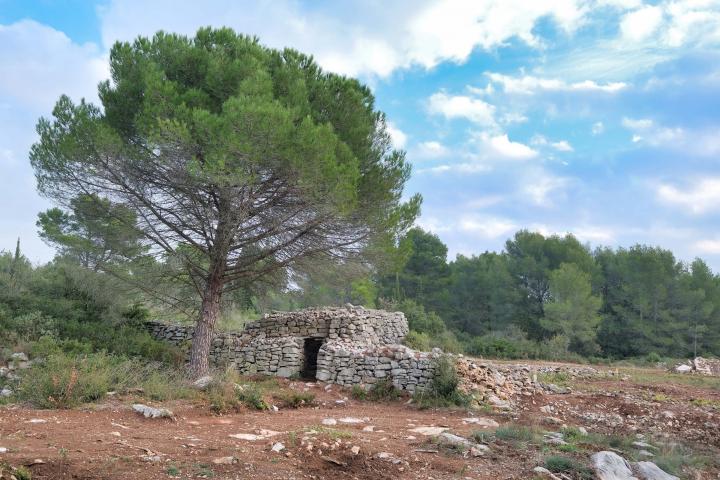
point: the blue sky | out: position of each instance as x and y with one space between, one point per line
596 117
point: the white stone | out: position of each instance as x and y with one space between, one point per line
482 422
225 460
650 471
278 447
329 421
611 466
429 431
202 382
351 420
150 412
250 437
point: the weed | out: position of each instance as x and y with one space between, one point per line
558 378
442 392
172 471
358 392
517 434
383 390
333 433
559 464
251 396
293 399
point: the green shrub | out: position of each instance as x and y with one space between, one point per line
559 464
292 399
653 357
517 433
358 392
383 390
442 391
63 381
418 341
251 396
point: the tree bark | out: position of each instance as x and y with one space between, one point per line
202 338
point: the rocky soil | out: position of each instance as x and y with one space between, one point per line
604 420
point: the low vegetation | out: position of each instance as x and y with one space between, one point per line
442 390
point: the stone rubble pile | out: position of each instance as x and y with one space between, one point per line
499 383
700 365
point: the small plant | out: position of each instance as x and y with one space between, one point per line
443 388
293 399
204 471
358 392
517 434
172 471
18 473
383 390
559 464
251 396
480 436
333 433
557 378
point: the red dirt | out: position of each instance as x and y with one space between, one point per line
110 441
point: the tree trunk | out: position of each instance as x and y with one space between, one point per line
202 338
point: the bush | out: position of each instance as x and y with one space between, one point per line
63 381
292 399
418 341
559 464
358 392
251 396
383 390
517 433
442 390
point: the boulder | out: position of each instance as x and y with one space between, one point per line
150 412
611 466
650 471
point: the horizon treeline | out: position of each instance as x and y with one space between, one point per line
562 296
540 297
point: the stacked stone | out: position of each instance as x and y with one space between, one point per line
345 363
175 334
361 345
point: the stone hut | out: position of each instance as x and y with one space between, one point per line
345 345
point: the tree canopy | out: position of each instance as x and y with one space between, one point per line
235 159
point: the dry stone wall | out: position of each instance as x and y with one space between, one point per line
359 346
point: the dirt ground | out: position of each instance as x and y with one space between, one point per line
110 441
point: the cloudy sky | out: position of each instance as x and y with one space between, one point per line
595 117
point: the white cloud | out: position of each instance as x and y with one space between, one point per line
354 37
529 85
431 149
699 198
598 128
560 146
703 142
539 186
433 224
398 137
484 202
641 23
708 246
40 63
487 227
461 106
594 234
500 147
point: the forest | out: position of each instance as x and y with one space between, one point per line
541 297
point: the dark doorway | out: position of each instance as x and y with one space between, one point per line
311 349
